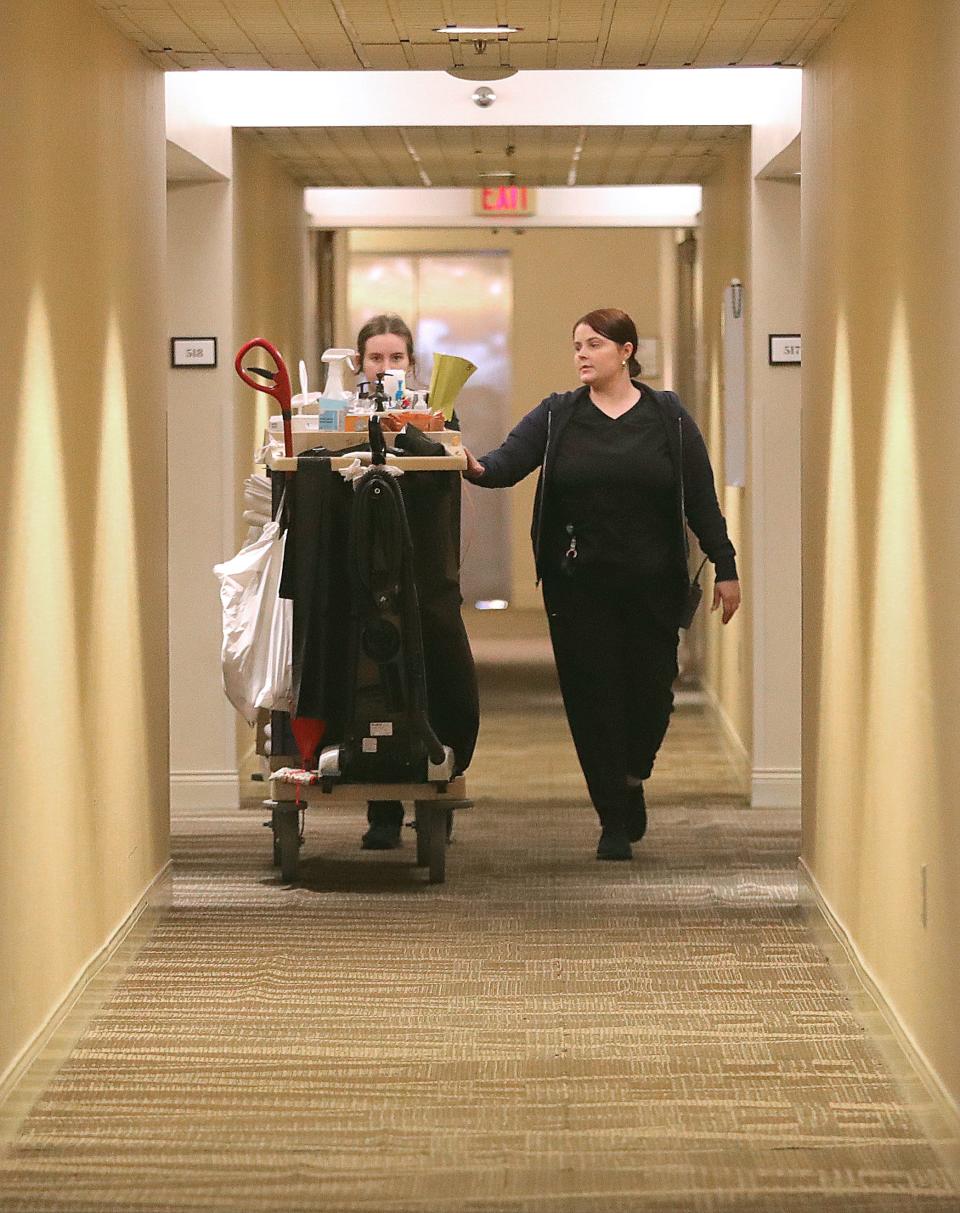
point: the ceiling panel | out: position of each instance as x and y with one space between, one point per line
538 156
398 34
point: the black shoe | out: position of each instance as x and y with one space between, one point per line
637 813
614 844
381 837
386 822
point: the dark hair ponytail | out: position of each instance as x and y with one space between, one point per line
616 326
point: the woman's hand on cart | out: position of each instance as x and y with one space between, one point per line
474 469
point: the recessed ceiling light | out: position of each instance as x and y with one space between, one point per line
477 29
497 175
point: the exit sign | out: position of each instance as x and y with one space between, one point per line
502 201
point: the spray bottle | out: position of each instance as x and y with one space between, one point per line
333 402
305 401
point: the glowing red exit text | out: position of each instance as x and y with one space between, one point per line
506 200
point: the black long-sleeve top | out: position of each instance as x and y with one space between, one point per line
607 469
533 443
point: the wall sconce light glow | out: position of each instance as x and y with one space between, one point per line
839 724
39 651
117 664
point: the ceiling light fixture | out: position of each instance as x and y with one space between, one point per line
478 29
415 157
481 73
479 35
575 163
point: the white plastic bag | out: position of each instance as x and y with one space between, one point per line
257 653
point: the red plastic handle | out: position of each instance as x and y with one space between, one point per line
280 389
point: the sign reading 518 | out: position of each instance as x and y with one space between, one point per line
193 351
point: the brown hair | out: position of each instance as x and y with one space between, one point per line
377 326
616 326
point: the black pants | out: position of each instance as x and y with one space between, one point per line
615 644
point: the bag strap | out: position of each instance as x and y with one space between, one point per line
683 501
281 506
683 495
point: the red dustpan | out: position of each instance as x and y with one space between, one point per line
308 733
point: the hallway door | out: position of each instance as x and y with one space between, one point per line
456 304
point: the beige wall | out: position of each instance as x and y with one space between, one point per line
774 486
270 258
725 252
238 267
202 491
83 665
881 438
558 274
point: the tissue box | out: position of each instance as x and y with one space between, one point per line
330 417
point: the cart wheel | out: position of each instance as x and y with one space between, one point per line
287 835
437 835
421 817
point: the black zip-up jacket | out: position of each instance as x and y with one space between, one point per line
533 442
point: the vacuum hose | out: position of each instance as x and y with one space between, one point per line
382 549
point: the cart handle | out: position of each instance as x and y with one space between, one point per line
278 385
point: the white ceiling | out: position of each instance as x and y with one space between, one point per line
397 34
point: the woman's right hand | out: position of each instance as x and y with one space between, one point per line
474 469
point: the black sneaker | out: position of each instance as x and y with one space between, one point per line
614 844
381 837
386 822
637 813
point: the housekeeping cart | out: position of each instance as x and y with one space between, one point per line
433 804
371 564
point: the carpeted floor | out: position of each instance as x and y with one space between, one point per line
542 1033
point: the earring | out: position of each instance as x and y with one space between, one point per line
624 363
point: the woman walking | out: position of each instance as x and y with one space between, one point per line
623 470
384 343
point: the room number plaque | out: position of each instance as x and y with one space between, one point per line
193 351
784 349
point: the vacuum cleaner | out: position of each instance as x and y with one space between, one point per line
387 736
